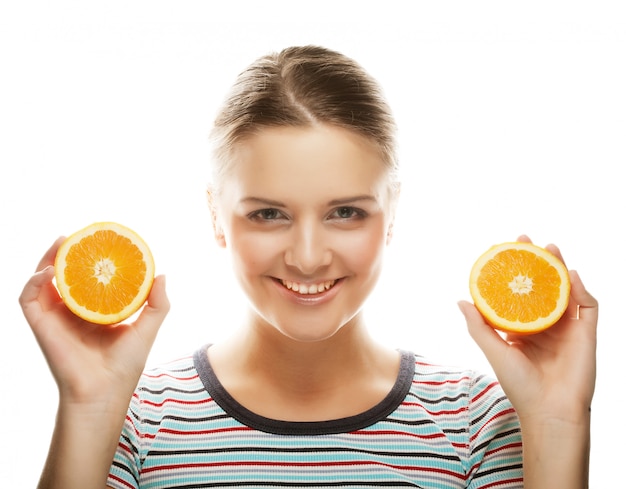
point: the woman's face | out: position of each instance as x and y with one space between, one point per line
306 213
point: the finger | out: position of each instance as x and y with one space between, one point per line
552 248
587 304
556 251
32 299
32 289
50 255
572 310
154 312
487 339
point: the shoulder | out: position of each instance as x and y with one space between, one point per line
169 382
456 387
435 375
465 400
180 369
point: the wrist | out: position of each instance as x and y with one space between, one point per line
83 444
556 450
568 420
99 411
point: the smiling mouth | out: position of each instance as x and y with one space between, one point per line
308 289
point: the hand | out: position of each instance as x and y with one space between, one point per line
549 375
91 363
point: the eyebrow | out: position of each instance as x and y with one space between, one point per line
352 200
259 200
334 202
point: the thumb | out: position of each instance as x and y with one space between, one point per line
154 312
488 340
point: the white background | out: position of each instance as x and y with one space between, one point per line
512 118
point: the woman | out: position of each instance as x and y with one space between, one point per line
303 197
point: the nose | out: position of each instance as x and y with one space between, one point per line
308 249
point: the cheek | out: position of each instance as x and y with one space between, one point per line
358 250
246 256
253 253
362 250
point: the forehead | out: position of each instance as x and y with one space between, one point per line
319 161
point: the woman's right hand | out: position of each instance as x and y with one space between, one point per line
96 368
91 363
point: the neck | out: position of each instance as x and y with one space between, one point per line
263 356
281 378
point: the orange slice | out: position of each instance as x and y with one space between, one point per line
104 272
520 287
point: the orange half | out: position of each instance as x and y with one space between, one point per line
104 272
520 287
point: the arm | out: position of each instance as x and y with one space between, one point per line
556 453
550 379
96 369
82 447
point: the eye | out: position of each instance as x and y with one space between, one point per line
347 212
266 215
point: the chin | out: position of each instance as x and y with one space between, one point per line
308 338
312 332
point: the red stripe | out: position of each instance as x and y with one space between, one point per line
507 447
484 391
504 447
491 420
125 447
122 481
441 382
436 413
396 433
198 432
245 428
417 362
131 422
404 433
299 464
170 376
176 401
502 482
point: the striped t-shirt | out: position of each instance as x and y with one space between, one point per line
439 427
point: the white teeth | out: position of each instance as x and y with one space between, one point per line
305 289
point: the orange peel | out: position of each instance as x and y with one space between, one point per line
520 287
104 272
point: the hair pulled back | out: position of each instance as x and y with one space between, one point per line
299 87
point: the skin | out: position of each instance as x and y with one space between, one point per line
308 206
550 380
95 382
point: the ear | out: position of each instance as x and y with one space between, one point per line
394 195
217 227
390 231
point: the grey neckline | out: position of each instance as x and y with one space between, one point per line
342 425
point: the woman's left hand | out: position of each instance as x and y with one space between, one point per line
550 375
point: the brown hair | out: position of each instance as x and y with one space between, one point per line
301 86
